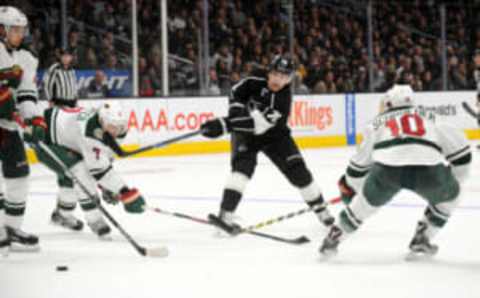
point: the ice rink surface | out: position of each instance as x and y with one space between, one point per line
201 264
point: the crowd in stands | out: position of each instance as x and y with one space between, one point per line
330 42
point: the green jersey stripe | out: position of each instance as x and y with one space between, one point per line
355 173
360 167
466 159
53 131
463 150
406 141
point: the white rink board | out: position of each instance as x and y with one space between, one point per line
153 119
447 107
318 115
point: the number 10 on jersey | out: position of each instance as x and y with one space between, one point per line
408 124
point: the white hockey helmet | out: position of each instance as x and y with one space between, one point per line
398 96
12 16
113 118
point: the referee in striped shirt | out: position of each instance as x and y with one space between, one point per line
60 81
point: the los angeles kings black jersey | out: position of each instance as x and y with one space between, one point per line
253 93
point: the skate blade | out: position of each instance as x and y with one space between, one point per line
413 256
4 252
65 227
106 238
221 234
16 247
328 254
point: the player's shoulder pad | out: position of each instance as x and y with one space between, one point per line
249 81
256 79
452 135
28 56
448 128
84 117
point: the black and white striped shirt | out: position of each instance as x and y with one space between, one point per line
60 84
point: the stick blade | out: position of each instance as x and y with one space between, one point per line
302 240
157 252
296 241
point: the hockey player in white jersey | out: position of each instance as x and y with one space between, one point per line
18 92
403 150
82 140
60 86
475 111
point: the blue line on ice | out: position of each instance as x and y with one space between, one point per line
259 200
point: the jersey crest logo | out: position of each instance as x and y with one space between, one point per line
264 92
98 133
273 116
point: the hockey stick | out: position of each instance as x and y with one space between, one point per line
469 110
177 214
154 252
272 221
297 240
120 152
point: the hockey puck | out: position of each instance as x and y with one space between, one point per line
62 268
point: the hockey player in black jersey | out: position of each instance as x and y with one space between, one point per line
257 119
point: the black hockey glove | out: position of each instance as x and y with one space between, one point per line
346 191
470 111
215 128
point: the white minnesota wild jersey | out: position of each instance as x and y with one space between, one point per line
79 130
403 137
27 90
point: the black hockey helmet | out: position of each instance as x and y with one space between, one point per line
281 64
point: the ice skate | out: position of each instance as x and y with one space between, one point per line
325 216
420 246
100 228
330 244
21 241
4 243
67 221
225 223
